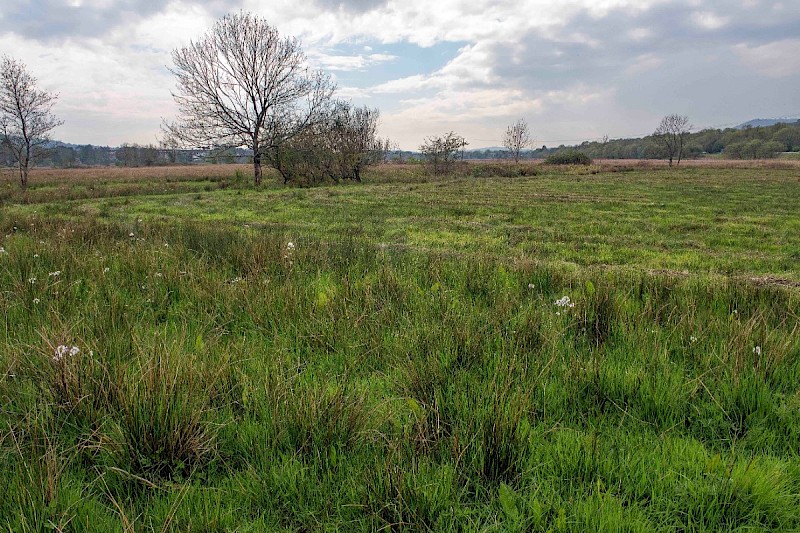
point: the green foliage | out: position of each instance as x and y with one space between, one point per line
568 157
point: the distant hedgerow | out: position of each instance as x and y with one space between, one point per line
568 157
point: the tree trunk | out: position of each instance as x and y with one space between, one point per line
257 167
23 177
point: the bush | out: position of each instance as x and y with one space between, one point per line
502 170
568 157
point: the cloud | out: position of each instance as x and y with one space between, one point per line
579 67
338 62
778 59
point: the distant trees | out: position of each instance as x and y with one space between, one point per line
672 133
753 149
442 153
517 138
26 117
242 84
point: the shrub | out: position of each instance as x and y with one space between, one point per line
568 157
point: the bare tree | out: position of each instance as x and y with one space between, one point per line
517 138
241 84
672 133
26 117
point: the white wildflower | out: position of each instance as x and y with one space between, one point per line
35 256
693 338
131 235
2 250
159 275
106 270
32 280
531 286
757 351
565 302
62 351
36 300
54 274
290 246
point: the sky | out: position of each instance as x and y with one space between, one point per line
575 70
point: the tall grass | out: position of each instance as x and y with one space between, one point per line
228 381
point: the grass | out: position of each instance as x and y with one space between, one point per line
404 365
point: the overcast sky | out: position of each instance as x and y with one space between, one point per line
574 69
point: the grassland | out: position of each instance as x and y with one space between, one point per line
403 363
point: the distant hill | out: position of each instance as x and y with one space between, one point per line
763 122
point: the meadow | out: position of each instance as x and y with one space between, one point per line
513 348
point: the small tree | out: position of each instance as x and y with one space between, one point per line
242 84
336 148
441 153
26 117
517 138
672 133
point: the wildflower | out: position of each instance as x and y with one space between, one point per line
166 245
693 339
290 246
32 280
62 351
106 270
159 275
36 300
565 302
531 286
35 256
54 274
757 351
237 279
131 235
2 250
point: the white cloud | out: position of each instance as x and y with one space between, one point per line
776 60
709 21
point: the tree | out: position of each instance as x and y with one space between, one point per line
517 138
672 133
26 117
241 84
440 153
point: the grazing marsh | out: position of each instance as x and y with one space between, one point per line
606 348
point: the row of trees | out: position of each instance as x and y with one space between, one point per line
242 85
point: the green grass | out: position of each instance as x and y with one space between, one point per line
404 366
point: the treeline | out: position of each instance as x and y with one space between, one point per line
128 155
747 143
762 142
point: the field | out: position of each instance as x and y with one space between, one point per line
514 348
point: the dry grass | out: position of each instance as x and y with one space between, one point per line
88 176
39 176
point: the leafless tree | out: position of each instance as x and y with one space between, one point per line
517 138
26 117
672 133
242 84
441 153
336 148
